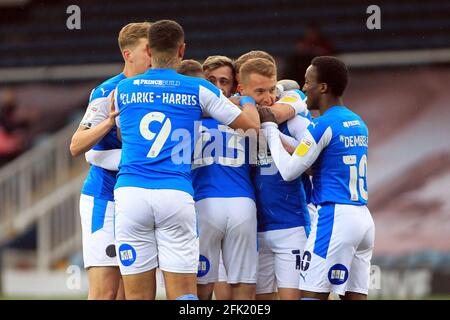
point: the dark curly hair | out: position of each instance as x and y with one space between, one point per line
333 72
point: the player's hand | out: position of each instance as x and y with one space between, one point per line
113 113
266 114
235 100
286 85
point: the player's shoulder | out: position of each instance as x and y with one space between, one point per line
106 87
201 84
139 81
347 118
318 126
344 121
334 116
358 117
323 121
136 80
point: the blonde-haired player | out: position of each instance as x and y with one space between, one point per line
97 132
283 219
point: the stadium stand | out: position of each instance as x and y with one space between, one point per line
32 35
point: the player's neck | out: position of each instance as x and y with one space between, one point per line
165 62
129 71
329 102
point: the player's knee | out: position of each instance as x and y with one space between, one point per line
204 294
204 291
187 297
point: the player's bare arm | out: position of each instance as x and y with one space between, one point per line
85 138
282 112
249 117
289 104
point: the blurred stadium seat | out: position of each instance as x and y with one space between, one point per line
33 36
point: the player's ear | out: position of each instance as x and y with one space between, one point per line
126 54
147 48
181 50
323 88
239 89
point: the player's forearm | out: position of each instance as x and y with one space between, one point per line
252 115
288 166
291 103
84 139
282 112
248 118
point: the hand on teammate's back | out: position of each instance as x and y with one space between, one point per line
266 114
113 113
236 100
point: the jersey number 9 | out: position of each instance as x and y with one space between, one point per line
159 138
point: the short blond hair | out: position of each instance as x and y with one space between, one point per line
252 55
130 34
259 66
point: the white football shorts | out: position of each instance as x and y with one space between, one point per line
338 252
222 271
155 227
97 227
280 254
227 224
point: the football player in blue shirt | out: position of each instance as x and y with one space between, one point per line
97 132
338 252
224 199
282 215
155 214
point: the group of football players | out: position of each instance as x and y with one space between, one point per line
217 174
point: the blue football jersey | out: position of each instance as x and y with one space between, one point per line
157 114
100 182
221 166
339 173
280 204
